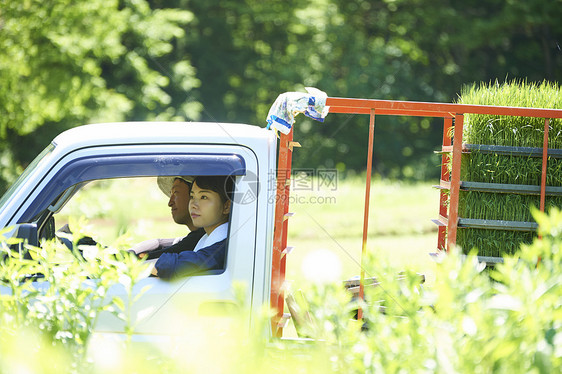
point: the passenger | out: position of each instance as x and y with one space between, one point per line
177 189
209 207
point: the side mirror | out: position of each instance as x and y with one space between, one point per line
29 234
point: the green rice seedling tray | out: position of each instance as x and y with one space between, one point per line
523 189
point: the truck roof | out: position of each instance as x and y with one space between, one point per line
161 132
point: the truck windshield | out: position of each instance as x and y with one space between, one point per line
41 158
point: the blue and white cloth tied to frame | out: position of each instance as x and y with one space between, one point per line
288 105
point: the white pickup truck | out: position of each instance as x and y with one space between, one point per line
149 149
261 165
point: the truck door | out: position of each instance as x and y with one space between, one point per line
165 302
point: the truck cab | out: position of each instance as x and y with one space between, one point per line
90 153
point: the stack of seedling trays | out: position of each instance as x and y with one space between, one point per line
502 167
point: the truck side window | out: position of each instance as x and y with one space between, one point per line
183 231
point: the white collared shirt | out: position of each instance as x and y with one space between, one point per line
216 236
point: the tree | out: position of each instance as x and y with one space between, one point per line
65 63
424 50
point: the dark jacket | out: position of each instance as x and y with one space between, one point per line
172 265
186 244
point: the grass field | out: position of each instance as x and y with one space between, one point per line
326 230
328 236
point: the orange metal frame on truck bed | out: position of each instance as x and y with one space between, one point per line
448 214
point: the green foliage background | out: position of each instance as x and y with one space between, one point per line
65 63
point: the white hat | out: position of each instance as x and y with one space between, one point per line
166 183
